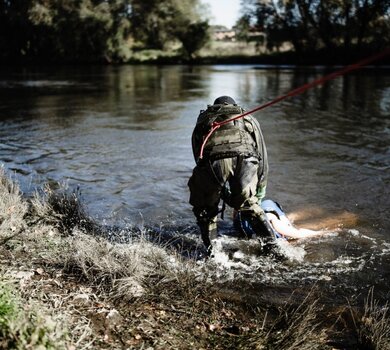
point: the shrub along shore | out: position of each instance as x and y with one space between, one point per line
66 285
246 53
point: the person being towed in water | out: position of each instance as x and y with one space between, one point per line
280 225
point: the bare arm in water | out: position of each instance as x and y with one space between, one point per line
285 228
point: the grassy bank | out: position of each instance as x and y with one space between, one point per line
67 284
240 52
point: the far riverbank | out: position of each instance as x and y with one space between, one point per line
226 53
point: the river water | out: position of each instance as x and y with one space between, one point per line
122 135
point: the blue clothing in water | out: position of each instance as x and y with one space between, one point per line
269 206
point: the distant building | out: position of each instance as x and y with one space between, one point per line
221 33
255 34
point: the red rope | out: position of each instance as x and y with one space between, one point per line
298 91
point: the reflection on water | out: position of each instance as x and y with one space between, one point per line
123 135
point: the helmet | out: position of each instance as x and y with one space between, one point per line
224 100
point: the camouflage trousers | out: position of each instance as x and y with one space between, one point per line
233 179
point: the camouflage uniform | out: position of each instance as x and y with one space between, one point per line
234 167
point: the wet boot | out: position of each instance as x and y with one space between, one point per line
208 230
256 223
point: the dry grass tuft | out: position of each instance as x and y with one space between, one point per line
119 270
12 208
63 210
294 327
373 326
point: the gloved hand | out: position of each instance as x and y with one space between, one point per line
260 194
254 223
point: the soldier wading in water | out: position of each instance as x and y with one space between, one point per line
234 168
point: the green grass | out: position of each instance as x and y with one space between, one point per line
22 327
8 307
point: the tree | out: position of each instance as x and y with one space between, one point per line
96 30
193 37
242 28
311 25
159 22
64 30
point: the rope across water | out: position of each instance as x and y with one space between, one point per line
297 91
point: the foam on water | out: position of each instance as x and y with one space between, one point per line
237 259
386 249
292 253
354 232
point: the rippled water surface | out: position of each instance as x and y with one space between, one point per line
122 135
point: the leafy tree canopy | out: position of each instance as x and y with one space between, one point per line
96 30
311 25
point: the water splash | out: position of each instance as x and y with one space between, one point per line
244 261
